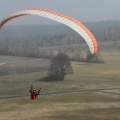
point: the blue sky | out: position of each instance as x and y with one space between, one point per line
82 10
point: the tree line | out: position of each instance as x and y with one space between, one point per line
43 47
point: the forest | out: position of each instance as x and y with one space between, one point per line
44 41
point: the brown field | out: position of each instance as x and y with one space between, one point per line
77 106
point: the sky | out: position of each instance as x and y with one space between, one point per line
82 10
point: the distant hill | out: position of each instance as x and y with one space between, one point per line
37 32
102 24
38 40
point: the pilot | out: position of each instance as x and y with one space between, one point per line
34 93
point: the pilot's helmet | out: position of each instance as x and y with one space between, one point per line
34 90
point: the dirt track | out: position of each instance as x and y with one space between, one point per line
102 90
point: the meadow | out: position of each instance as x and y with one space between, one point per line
77 106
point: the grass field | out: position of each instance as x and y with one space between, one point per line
77 106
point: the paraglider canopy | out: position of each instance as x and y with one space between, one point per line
70 22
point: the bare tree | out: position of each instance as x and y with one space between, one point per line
91 58
60 66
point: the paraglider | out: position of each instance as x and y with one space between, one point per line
70 22
34 93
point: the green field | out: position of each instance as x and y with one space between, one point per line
77 106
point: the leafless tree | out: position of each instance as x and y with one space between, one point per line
60 66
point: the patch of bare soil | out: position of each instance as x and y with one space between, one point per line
24 66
